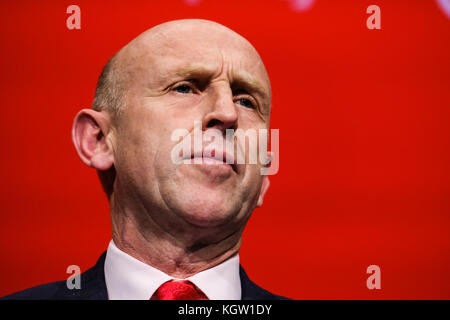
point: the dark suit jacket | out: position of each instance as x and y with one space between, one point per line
93 287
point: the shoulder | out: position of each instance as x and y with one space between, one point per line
251 291
42 292
93 286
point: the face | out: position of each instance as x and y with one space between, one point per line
176 75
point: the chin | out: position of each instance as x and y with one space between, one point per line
207 210
202 200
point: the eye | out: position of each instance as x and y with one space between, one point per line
246 103
184 88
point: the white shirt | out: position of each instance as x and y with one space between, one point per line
130 279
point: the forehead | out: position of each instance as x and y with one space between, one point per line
190 51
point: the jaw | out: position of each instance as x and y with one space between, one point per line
205 205
210 195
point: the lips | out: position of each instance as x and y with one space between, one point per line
212 157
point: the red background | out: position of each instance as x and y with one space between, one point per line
364 142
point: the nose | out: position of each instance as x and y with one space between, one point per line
222 113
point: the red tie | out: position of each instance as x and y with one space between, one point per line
178 290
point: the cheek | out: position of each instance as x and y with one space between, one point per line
253 178
134 151
146 144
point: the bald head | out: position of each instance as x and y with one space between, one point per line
191 39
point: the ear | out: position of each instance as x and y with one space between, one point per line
89 132
264 187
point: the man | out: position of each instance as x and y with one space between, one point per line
176 227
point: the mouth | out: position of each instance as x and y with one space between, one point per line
214 157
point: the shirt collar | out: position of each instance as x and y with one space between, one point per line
130 279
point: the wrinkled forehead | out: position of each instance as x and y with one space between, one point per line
189 50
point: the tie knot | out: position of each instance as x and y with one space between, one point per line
178 290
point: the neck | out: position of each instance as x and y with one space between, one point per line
179 252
